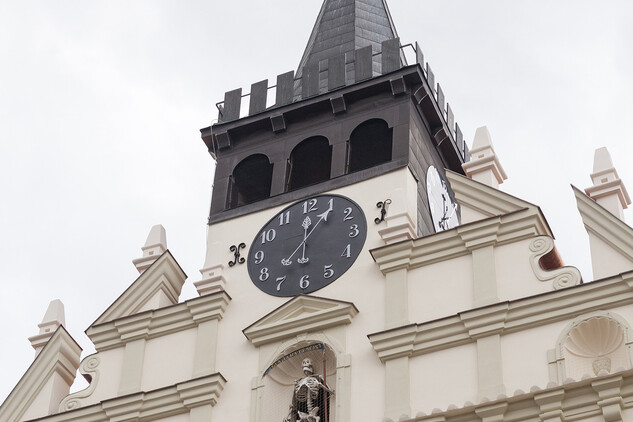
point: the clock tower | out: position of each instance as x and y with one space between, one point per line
345 155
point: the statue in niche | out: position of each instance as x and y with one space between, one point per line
310 397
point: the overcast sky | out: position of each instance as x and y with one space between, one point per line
101 105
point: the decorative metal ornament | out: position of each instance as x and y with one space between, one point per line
236 254
383 210
307 245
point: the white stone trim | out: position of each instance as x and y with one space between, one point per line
594 397
523 224
151 405
59 357
300 315
490 202
159 322
163 275
502 318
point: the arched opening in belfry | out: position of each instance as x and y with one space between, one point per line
250 181
310 162
369 145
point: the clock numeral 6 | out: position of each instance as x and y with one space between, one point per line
304 282
268 236
328 272
354 229
259 257
264 274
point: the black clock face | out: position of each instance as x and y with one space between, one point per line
307 245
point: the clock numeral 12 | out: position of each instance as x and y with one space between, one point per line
309 206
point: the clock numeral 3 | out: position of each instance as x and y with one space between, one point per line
284 218
268 236
264 274
348 214
328 272
259 257
280 280
347 252
309 206
354 229
304 282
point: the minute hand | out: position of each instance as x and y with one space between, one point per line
322 216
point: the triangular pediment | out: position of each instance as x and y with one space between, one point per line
158 286
610 239
479 201
56 364
299 315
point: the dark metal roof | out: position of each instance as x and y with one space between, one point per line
346 25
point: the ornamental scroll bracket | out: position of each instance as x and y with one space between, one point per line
560 277
90 370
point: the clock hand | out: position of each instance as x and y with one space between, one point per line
322 216
305 224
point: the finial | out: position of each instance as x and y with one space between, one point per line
484 165
53 318
155 245
608 190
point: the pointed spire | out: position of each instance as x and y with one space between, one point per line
155 246
346 25
484 165
53 318
608 190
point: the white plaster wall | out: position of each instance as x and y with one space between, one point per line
45 402
441 290
524 356
515 277
183 417
600 418
443 378
168 359
363 285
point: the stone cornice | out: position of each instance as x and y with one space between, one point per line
498 230
150 405
580 400
503 318
158 322
59 356
299 315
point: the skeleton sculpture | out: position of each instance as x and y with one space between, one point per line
309 392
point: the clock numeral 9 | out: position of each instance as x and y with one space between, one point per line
264 274
280 280
268 236
354 229
304 282
328 272
259 257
